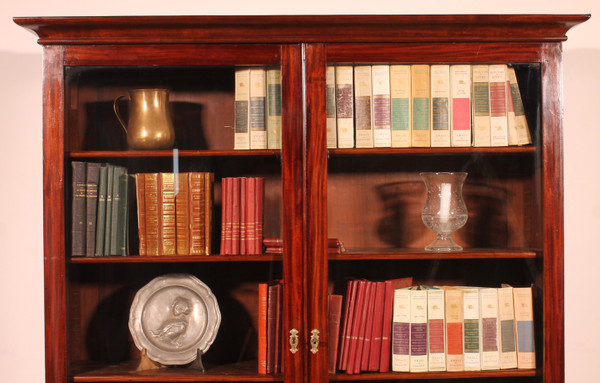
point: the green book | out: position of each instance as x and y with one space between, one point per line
118 174
91 203
108 220
101 210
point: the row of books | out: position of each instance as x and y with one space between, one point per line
242 215
270 298
432 328
174 213
99 209
257 108
423 105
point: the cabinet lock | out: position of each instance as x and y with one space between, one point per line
314 341
293 341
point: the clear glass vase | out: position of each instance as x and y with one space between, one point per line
444 211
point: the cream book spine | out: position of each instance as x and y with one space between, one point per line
273 108
523 302
400 105
258 100
242 109
330 106
418 331
454 329
510 115
363 106
481 106
440 105
521 125
506 316
460 107
471 328
344 97
401 331
436 344
490 329
382 127
420 108
498 106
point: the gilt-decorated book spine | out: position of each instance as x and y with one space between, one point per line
209 180
250 215
244 216
78 209
235 215
377 328
347 326
167 227
197 213
182 213
152 213
140 183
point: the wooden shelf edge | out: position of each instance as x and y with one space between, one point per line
433 375
429 150
178 258
407 254
171 153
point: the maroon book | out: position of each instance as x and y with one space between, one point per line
353 347
235 216
368 335
243 215
347 324
334 320
375 354
258 216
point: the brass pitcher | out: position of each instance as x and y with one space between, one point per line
150 125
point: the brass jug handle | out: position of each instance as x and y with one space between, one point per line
116 109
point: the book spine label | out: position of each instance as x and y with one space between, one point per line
481 106
460 87
344 95
330 106
363 101
440 105
382 129
258 99
400 92
421 96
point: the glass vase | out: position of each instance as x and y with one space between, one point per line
444 211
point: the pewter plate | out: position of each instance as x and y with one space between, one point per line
173 316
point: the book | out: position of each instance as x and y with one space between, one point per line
510 115
166 214
347 324
436 345
377 327
182 213
200 212
101 211
258 215
262 327
78 209
273 326
460 107
244 220
109 208
368 328
250 215
401 331
523 136
454 329
400 108
152 213
523 303
122 240
278 341
420 108
481 106
490 329
226 203
418 331
118 211
506 316
388 310
258 100
330 107
440 105
344 104
242 109
91 204
471 330
498 105
235 215
381 115
333 335
363 104
358 322
273 108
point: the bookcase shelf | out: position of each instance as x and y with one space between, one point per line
370 199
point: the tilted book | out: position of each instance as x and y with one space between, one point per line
481 106
347 324
436 330
506 316
440 105
354 349
377 328
382 129
258 101
421 108
490 329
471 330
363 104
334 321
523 302
344 103
498 105
401 331
418 331
460 107
401 115
521 126
273 108
330 105
242 109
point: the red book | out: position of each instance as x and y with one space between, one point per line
243 215
271 324
278 326
235 216
262 327
386 334
335 312
225 217
251 215
258 215
347 326
368 332
357 322
375 353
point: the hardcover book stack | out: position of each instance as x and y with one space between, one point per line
270 327
242 215
174 213
99 209
257 108
421 328
275 246
424 105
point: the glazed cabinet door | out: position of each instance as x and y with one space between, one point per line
383 303
180 274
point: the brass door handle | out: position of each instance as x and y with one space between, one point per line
293 341
314 341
